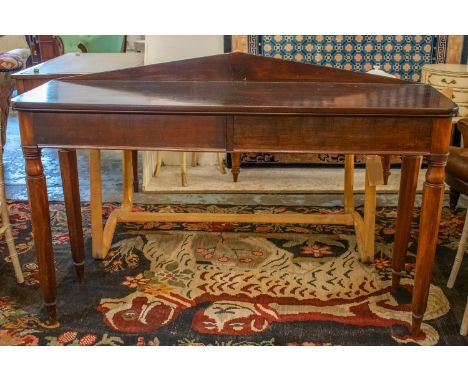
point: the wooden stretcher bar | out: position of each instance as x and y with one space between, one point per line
102 236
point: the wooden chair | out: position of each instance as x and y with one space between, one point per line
456 176
9 63
462 246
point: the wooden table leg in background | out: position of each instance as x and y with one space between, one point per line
235 165
135 170
406 196
71 194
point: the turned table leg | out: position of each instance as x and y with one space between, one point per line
235 168
407 194
39 204
71 194
428 233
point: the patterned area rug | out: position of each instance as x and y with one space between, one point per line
220 284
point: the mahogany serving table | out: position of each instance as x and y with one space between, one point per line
237 102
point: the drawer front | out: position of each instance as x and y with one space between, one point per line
332 134
169 132
447 80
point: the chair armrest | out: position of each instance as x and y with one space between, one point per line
463 127
59 48
83 47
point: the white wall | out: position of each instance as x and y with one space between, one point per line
172 48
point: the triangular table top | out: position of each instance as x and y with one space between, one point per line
237 83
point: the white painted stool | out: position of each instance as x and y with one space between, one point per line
456 267
5 228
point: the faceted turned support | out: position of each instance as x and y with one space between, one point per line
71 193
407 194
386 160
235 168
428 232
39 204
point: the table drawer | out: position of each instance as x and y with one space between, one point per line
331 134
142 131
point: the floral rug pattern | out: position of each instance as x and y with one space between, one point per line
226 284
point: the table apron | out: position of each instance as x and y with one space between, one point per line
304 134
90 130
332 134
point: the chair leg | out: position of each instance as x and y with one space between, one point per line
222 168
7 227
464 325
369 221
95 184
459 257
157 170
194 159
184 169
127 175
454 196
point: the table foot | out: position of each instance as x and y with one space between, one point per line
51 309
416 324
235 168
79 269
396 277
